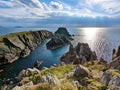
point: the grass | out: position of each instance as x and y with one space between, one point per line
114 72
65 85
95 66
28 33
58 71
40 87
95 84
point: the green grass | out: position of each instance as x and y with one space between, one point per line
95 66
58 71
114 72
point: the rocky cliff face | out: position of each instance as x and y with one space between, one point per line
115 63
59 39
79 54
18 45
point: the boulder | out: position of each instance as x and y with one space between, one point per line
37 64
81 71
106 78
51 79
114 83
28 72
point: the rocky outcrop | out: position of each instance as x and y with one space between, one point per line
37 64
113 81
28 72
106 78
18 45
51 79
81 71
60 38
115 63
79 54
23 87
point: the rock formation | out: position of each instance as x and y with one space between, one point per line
78 55
115 63
18 45
60 38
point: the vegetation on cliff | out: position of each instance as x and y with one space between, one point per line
16 45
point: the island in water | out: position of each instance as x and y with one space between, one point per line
78 69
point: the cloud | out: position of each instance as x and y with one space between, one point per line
32 3
50 9
56 5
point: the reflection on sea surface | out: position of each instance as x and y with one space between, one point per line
98 39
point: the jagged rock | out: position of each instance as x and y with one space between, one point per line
28 72
78 55
115 63
37 64
106 78
57 41
81 71
62 30
51 79
23 86
14 46
61 38
114 83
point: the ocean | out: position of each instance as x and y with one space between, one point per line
102 40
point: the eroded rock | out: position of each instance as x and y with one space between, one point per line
115 63
28 72
60 38
78 55
51 79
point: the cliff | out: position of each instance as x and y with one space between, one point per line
16 45
60 38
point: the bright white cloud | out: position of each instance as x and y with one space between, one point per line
56 5
37 9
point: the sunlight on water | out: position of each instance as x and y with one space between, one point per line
90 33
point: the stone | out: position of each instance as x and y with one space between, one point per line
28 72
23 86
114 83
81 71
106 77
37 64
51 79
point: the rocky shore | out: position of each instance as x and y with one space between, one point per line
93 74
17 45
79 69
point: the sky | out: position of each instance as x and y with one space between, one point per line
35 13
